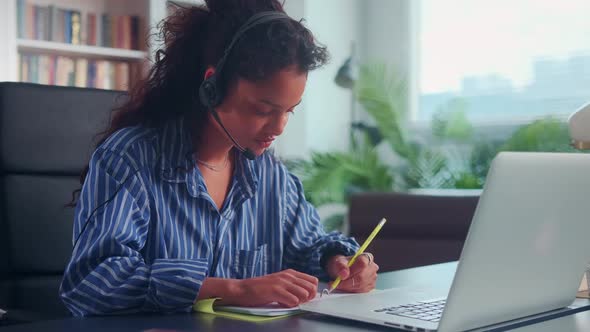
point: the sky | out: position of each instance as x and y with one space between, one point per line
460 38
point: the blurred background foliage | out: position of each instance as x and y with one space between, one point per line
454 157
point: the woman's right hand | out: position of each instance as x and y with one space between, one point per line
288 287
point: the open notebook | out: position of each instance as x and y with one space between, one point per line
273 309
256 314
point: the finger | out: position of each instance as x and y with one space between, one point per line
348 287
310 283
304 276
308 286
339 268
301 293
351 284
358 282
360 264
368 270
285 298
368 275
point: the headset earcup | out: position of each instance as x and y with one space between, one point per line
209 93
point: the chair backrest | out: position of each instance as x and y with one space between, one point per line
421 229
413 215
47 134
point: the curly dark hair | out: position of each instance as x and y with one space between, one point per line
194 38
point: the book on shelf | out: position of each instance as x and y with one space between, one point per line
106 32
91 29
74 26
68 26
79 72
81 76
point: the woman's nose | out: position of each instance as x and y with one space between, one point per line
279 123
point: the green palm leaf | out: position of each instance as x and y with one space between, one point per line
329 177
382 95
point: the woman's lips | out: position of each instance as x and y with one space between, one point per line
265 143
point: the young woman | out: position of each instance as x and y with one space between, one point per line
173 210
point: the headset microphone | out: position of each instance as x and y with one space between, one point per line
210 91
245 151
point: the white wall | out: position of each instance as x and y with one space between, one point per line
293 142
388 37
322 122
8 54
382 31
385 30
335 23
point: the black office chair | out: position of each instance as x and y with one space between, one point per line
46 136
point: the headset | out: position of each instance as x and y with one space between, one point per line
210 95
211 92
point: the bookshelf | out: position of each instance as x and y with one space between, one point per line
106 40
50 47
27 45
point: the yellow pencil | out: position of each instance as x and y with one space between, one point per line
358 253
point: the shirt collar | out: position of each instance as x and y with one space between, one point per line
177 164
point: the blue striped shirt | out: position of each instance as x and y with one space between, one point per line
151 247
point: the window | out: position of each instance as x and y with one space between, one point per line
502 60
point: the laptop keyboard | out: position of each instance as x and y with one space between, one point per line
430 310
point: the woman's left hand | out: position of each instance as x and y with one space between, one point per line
359 278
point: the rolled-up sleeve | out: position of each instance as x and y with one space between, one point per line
107 272
306 241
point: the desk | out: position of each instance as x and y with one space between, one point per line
439 275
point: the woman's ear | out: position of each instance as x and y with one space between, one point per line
209 72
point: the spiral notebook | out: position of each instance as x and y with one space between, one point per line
254 314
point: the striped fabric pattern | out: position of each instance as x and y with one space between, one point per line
160 235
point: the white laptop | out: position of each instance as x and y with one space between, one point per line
524 256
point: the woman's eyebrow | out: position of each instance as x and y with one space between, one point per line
268 102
